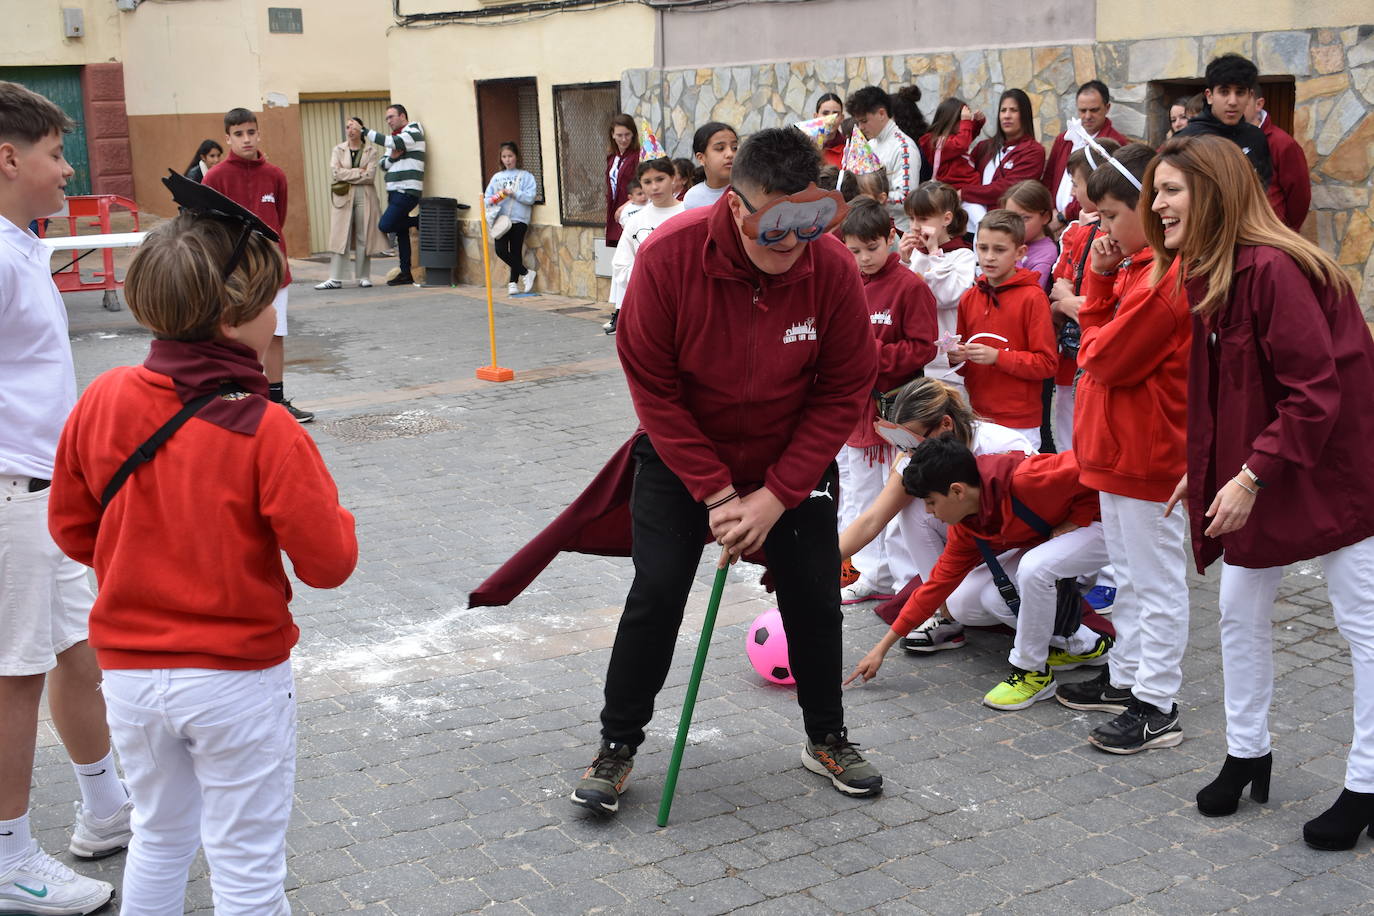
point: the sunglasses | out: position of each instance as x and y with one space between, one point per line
808 214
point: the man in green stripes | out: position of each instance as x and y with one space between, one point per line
405 179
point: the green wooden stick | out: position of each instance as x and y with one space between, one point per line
689 702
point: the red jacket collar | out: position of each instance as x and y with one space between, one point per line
236 159
892 263
1021 277
996 472
723 256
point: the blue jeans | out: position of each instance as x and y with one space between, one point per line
396 218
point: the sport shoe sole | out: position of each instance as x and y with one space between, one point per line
1168 739
815 766
1045 693
956 642
596 802
1093 706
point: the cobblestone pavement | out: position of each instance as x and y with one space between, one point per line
438 744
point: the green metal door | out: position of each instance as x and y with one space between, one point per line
63 86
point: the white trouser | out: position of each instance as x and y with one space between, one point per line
860 484
915 540
1151 610
1033 434
209 757
362 264
1063 417
1247 601
978 603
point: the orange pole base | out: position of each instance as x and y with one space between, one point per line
495 374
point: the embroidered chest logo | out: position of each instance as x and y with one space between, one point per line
881 317
269 198
805 330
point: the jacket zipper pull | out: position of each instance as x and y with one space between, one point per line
758 294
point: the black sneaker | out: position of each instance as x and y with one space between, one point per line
609 327
1097 693
401 280
302 416
605 779
1141 727
840 760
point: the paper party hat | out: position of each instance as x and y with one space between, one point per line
859 158
649 147
819 130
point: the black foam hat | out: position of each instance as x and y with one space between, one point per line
195 198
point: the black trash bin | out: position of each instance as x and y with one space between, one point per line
439 240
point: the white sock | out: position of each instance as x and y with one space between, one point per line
1082 642
102 793
16 843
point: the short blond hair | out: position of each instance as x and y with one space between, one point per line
176 286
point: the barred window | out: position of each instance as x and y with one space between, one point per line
582 120
508 109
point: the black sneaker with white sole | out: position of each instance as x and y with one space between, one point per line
840 760
605 780
1095 694
1141 727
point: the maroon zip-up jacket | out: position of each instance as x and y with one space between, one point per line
256 185
741 377
1280 379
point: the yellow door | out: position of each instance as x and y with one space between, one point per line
322 128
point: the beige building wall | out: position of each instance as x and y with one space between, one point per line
33 36
1118 20
434 73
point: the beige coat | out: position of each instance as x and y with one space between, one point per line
363 181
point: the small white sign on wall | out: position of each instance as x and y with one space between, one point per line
604 255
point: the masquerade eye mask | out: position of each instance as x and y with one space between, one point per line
808 213
196 198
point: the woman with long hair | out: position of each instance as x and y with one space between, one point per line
1010 155
622 158
207 156
1279 430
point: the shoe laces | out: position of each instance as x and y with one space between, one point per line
845 752
44 866
608 764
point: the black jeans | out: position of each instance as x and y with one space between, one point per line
511 249
669 529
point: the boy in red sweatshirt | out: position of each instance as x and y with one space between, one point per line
1039 524
1129 424
1007 338
746 346
901 313
249 180
191 624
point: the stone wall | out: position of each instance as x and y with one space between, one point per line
1333 69
563 257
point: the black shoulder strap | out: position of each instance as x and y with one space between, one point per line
1025 514
1005 587
1078 271
144 453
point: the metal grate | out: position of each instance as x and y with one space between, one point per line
527 104
582 120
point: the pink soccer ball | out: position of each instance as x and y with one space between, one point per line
766 646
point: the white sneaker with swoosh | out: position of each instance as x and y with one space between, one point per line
42 886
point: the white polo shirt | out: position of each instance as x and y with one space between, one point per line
37 378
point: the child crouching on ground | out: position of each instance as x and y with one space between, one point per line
901 313
191 625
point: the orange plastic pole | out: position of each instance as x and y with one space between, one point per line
492 373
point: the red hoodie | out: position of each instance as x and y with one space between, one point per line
1132 408
956 169
1020 161
901 312
1290 190
1047 484
1008 391
741 377
256 185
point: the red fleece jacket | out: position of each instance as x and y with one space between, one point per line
256 185
1022 160
741 377
188 554
1290 190
1132 406
1008 391
1049 487
956 168
901 312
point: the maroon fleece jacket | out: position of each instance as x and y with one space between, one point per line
741 377
256 185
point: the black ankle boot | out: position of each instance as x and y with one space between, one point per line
1221 796
1339 826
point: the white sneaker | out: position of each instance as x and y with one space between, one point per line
329 284
365 283
93 838
43 886
862 591
527 281
512 289
935 635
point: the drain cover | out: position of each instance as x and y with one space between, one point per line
389 426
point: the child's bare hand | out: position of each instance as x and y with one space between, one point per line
1106 254
868 666
1063 528
965 114
1069 307
981 354
956 355
930 239
1062 289
1180 494
906 246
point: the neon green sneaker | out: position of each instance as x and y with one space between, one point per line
1021 689
1062 660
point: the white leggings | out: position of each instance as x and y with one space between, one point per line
210 757
1247 602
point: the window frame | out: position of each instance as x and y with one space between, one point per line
487 169
599 223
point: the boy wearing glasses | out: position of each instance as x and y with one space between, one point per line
746 344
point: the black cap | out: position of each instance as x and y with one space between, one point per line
194 197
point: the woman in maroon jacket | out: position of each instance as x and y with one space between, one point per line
1279 430
621 161
1008 156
